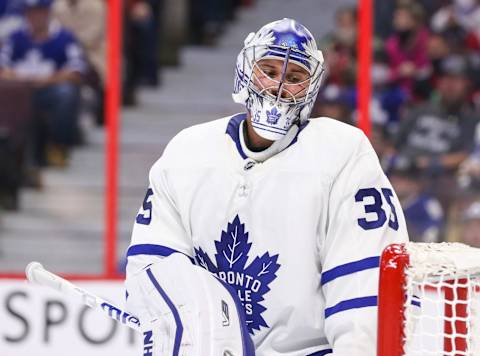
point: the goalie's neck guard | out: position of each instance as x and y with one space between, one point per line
276 147
235 129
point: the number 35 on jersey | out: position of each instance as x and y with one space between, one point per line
375 214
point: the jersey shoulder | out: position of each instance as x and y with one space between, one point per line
330 128
335 138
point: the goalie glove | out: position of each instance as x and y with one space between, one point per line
185 310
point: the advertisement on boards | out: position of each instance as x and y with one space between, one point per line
37 321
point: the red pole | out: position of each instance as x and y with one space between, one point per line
364 49
112 112
391 300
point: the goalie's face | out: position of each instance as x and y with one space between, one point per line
287 82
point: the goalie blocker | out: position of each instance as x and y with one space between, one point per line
189 312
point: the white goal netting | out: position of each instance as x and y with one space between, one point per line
442 305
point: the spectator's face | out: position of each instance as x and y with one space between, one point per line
404 186
403 20
471 233
437 47
378 141
38 18
345 19
334 110
453 89
346 27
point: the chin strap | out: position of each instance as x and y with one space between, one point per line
275 148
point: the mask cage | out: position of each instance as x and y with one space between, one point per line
253 54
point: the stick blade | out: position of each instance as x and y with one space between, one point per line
30 270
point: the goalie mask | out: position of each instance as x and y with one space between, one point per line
278 75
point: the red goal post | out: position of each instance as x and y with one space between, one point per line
429 300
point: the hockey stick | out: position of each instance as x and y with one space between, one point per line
38 275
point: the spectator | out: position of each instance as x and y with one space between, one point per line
469 171
439 135
140 46
340 48
334 103
406 48
86 19
471 225
207 19
381 143
46 56
461 13
383 18
384 13
438 49
388 96
423 212
15 117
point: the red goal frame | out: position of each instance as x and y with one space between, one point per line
392 298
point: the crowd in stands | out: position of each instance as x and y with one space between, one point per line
52 72
425 107
43 63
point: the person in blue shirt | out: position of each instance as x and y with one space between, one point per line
470 226
47 57
423 212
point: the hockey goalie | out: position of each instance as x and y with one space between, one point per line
261 232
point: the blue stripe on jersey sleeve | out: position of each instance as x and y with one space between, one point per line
173 308
349 268
153 250
321 353
355 303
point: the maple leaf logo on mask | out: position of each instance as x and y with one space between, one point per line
250 282
273 116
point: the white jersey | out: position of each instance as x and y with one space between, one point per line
298 236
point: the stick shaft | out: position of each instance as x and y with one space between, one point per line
40 276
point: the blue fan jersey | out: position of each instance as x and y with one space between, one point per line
425 218
30 60
297 235
10 7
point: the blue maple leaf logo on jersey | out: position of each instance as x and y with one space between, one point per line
251 282
273 116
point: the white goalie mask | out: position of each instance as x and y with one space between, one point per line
277 76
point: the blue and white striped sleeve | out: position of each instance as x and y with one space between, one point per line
364 217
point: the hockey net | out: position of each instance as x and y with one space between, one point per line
429 300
